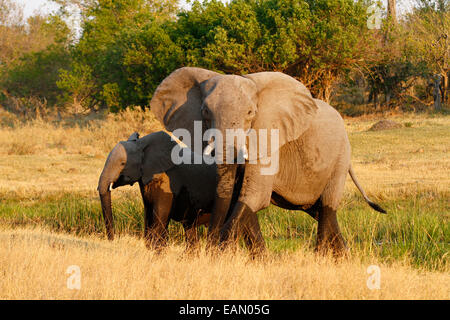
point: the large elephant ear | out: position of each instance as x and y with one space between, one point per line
157 149
178 99
284 104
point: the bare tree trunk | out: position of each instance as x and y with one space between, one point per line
437 93
392 14
392 10
375 100
327 86
327 92
444 88
388 95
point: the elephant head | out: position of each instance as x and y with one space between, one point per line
266 100
132 161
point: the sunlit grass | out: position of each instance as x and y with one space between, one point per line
37 262
48 179
416 229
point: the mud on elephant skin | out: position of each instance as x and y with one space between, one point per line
184 193
313 147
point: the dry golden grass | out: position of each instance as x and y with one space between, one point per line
399 162
41 156
35 262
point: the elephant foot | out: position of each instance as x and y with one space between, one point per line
156 243
221 206
335 245
227 237
157 247
244 221
192 250
258 252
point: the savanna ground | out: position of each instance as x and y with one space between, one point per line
50 219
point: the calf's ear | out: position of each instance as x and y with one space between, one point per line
134 137
157 149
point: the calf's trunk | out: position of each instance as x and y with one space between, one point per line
105 199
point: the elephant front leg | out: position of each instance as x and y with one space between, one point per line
147 198
148 221
254 195
225 183
243 221
157 234
191 236
190 229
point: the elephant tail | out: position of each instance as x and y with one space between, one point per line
372 204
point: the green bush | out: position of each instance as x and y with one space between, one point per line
36 74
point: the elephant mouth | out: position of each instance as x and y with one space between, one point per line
122 181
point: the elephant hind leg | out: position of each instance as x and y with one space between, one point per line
328 233
191 224
192 237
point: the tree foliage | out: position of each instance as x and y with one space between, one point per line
314 41
32 55
415 49
429 35
123 53
124 48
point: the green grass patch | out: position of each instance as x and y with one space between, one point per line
416 229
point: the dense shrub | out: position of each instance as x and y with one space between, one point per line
126 47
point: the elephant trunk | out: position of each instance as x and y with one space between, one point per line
108 176
105 199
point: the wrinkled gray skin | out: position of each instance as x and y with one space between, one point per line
168 191
314 149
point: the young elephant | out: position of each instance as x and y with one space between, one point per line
181 192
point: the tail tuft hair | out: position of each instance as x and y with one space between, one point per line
376 207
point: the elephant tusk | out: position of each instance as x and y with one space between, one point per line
209 149
110 186
244 152
174 138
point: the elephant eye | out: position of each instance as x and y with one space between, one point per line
205 112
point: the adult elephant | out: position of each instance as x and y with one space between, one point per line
312 146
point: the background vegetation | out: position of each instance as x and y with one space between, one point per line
124 48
